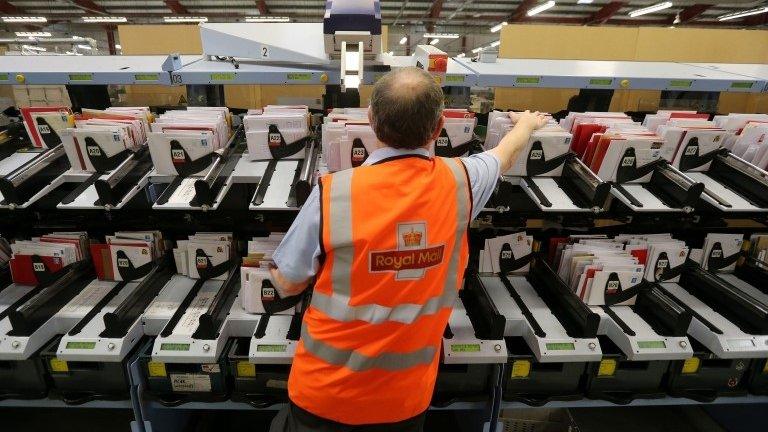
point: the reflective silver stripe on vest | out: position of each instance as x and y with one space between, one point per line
360 362
336 305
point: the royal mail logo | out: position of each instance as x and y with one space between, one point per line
691 150
358 154
122 262
93 151
536 154
275 139
177 155
442 142
413 255
628 161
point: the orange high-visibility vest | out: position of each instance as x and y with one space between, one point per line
394 239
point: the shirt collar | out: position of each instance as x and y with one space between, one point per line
388 152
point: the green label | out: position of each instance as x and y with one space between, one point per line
454 78
601 81
465 348
81 345
223 76
81 77
651 344
681 83
3 77
742 85
527 80
299 76
270 348
561 346
146 77
174 347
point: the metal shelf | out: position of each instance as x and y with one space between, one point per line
758 72
98 70
204 71
592 403
56 403
536 73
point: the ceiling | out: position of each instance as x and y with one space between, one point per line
467 16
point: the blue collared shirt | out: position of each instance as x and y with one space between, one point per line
297 255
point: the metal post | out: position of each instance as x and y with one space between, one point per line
111 39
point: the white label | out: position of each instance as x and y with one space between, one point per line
38 267
628 161
201 262
537 154
716 253
44 129
692 150
264 51
86 299
442 142
177 155
210 367
267 293
612 285
274 138
662 263
123 262
93 151
506 254
358 154
190 383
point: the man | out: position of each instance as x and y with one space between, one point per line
388 244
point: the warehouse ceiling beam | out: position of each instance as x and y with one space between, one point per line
88 6
605 13
434 14
691 12
176 7
519 13
263 9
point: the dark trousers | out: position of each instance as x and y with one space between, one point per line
294 419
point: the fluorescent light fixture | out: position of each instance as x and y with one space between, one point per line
434 41
403 40
477 50
118 46
742 14
262 19
85 47
391 53
441 36
33 34
498 27
650 9
540 8
33 48
105 19
24 19
584 2
185 19
462 55
494 44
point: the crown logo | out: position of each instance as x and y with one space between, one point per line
412 238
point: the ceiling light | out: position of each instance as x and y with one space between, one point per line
494 44
24 19
185 19
33 34
33 48
677 19
540 8
434 41
441 35
462 55
391 53
257 19
118 46
105 19
403 40
477 50
742 14
85 47
498 27
650 9
584 2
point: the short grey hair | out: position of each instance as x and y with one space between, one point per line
406 107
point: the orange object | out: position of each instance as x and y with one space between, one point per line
394 237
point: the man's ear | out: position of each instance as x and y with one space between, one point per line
440 124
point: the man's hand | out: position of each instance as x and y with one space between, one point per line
285 287
513 142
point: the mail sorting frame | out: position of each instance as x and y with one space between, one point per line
34 317
726 334
89 362
547 353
